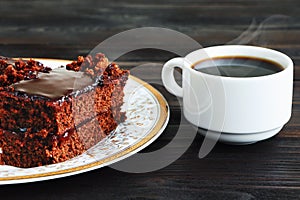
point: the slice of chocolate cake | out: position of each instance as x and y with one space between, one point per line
51 115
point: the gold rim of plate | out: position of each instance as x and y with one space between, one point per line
158 126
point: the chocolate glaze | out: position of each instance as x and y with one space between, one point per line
56 84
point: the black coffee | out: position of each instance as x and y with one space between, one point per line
237 66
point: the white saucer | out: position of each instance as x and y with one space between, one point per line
240 139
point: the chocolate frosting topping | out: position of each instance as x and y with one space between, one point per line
57 83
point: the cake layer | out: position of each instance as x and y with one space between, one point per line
34 149
30 104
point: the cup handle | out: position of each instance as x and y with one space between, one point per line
167 76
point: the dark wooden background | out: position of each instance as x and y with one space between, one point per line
66 29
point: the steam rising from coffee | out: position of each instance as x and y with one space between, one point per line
259 33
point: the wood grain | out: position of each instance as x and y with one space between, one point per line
65 29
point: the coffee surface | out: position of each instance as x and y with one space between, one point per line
237 66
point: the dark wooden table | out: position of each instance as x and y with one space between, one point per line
65 29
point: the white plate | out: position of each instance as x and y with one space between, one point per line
147 116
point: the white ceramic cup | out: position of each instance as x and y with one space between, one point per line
238 110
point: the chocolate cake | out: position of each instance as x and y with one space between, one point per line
51 115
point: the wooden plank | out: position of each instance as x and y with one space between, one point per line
66 29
